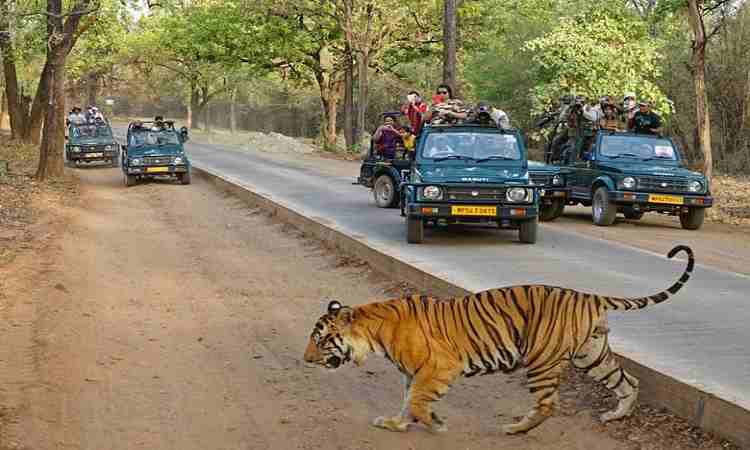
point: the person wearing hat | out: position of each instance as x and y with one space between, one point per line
645 121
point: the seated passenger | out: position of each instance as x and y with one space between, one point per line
409 141
387 139
645 121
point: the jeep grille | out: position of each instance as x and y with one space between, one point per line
540 179
663 184
157 160
482 194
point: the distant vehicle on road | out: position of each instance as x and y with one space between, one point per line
87 143
470 174
634 174
155 149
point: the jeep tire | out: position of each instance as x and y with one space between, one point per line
184 177
548 213
414 230
602 210
693 219
527 231
384 192
130 180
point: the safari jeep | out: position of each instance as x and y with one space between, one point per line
155 151
383 176
470 174
634 174
553 192
91 142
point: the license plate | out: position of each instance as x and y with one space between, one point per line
474 210
157 169
94 155
669 199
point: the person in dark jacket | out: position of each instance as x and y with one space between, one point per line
645 121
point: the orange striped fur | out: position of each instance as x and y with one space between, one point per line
432 342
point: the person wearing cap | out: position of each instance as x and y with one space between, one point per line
645 121
629 106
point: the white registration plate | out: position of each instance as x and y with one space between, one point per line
94 155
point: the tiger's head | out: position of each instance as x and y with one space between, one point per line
330 342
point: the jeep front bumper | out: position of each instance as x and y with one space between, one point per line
156 170
551 193
92 155
471 212
659 201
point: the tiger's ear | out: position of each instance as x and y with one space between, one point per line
333 307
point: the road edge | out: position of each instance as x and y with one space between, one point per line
701 409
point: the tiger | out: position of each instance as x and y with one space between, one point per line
432 342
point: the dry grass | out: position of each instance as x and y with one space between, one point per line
19 193
731 200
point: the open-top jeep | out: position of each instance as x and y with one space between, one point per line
470 173
91 142
383 176
634 174
553 192
155 150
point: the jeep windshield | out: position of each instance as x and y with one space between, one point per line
153 137
473 146
91 131
637 147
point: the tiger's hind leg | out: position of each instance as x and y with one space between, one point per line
400 422
543 382
595 357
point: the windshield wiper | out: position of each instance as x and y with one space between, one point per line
630 155
658 157
501 157
453 157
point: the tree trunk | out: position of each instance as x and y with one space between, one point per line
12 94
233 111
33 129
695 9
450 44
53 135
207 117
194 108
362 97
350 134
330 111
92 88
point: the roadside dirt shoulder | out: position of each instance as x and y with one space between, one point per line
168 316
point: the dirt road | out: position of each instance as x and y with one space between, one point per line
172 317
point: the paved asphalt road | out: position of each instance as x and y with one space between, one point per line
700 337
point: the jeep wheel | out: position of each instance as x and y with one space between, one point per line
414 230
631 214
384 192
185 177
130 180
603 211
548 213
527 231
693 219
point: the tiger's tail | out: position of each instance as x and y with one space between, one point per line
617 303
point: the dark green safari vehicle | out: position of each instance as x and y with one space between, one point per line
91 142
470 174
553 191
155 151
634 174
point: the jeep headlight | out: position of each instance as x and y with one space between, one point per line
695 186
557 180
135 162
432 193
178 160
108 148
519 195
628 183
76 149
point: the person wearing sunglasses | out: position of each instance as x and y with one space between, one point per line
445 108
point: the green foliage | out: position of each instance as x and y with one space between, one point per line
594 53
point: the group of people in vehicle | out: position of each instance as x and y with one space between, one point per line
77 117
391 138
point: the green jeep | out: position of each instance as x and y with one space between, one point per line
470 174
89 143
155 150
633 174
553 192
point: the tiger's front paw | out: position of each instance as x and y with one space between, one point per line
390 423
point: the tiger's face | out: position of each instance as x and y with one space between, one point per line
328 344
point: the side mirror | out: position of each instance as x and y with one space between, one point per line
124 147
184 134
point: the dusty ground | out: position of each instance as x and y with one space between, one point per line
172 317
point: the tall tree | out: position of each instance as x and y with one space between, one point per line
62 33
450 43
